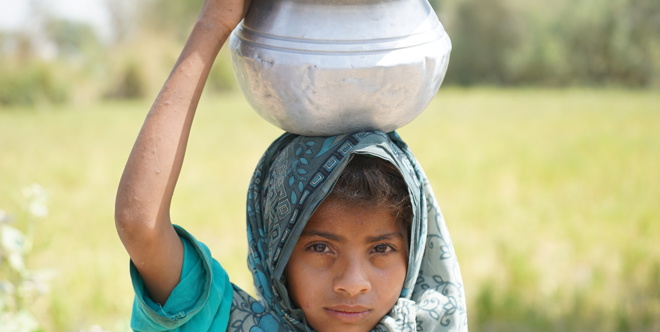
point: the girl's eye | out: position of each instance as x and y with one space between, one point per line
382 248
319 247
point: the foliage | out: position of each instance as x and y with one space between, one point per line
44 65
72 39
590 42
20 287
483 39
612 43
131 84
31 83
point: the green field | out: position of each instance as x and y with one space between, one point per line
552 198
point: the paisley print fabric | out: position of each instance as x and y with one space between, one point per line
292 178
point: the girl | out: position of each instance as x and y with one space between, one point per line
344 232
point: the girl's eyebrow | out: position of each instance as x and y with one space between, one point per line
326 235
386 236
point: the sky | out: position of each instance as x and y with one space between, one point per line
15 14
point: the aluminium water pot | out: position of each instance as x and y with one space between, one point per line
331 67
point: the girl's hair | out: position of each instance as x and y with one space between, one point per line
371 181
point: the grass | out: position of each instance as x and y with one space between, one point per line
551 197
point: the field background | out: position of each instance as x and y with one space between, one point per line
543 148
551 196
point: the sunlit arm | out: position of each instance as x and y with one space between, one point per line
142 209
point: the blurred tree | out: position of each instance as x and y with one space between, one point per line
612 43
72 38
483 35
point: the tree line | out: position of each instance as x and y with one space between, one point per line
495 42
556 43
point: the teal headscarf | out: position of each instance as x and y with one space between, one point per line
292 178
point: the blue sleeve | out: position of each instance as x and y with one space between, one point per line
200 302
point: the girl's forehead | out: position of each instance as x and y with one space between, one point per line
341 217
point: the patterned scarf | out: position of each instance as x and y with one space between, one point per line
292 178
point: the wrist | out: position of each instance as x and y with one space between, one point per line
214 27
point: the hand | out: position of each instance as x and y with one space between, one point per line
223 15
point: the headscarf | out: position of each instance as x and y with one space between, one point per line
291 180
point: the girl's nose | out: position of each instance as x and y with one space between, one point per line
352 277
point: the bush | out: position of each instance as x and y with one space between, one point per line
31 84
130 85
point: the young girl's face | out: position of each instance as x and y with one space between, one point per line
347 269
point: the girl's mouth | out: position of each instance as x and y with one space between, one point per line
348 313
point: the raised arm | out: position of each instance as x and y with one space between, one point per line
142 208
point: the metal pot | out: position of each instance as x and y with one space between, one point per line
330 67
